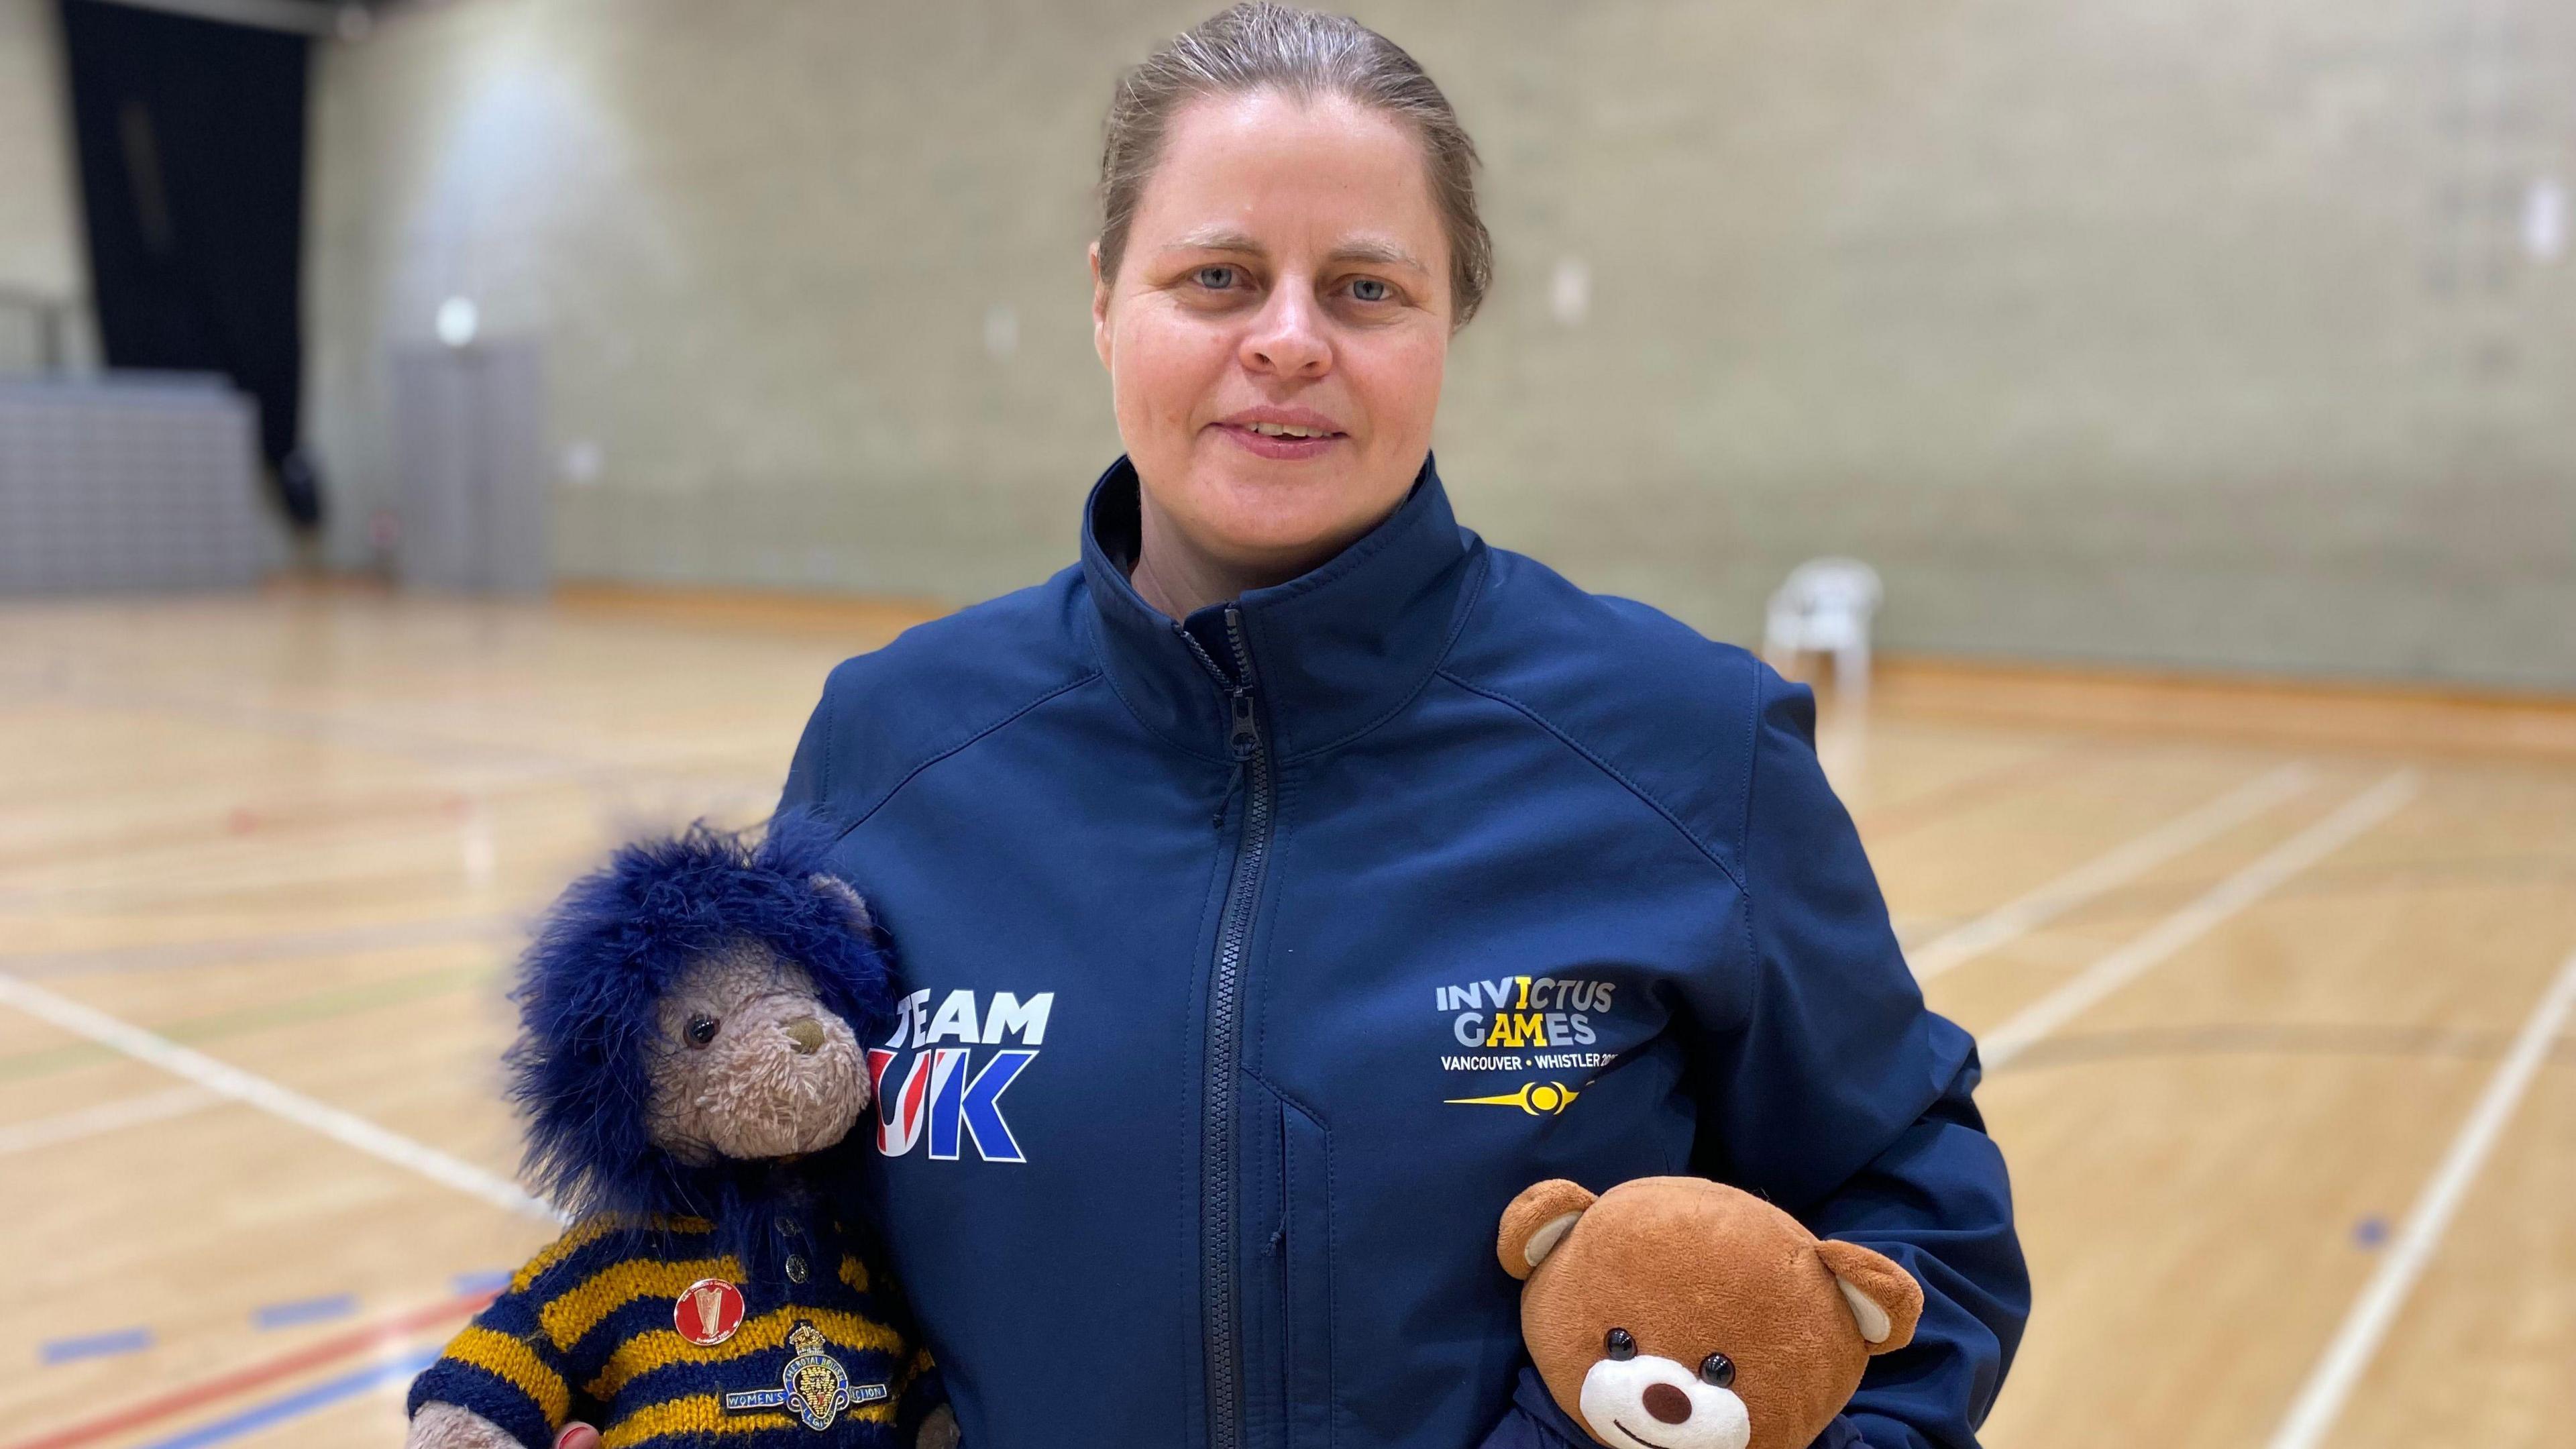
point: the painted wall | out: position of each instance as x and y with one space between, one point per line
2181 332
40 238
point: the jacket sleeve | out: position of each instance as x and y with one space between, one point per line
1825 1084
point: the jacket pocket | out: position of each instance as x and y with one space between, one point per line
1306 1299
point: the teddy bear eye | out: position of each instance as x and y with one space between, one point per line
702 1029
1620 1345
1717 1369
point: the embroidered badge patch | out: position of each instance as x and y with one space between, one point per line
814 1387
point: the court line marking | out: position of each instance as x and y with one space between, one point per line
271 1316
1977 787
358 730
269 948
2107 872
96 1345
388 1335
103 1117
296 1405
2321 1399
344 1127
2203 915
327 1005
2277 1039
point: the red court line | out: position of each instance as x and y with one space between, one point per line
310 1356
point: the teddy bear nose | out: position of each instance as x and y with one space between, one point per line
1667 1403
806 1034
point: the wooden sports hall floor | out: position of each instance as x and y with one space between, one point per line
2273 986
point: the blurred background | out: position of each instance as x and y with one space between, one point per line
439 437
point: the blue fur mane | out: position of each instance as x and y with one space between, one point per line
591 983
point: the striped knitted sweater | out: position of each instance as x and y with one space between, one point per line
586 1331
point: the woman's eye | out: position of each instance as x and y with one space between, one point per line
1370 289
1717 1369
1215 279
1619 1345
702 1030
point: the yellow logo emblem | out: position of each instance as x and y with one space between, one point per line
1539 1099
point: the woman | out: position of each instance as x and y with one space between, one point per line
1296 878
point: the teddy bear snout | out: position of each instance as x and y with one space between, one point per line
805 1034
1647 1402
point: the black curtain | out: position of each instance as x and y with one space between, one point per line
191 141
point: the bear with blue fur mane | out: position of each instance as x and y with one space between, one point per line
689 1063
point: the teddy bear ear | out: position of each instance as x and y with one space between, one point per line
1536 1222
1884 1298
840 893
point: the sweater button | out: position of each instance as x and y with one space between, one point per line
795 1268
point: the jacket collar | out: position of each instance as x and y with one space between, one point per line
1334 650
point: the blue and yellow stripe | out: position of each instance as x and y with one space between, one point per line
584 1331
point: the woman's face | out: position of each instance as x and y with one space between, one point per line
1285 270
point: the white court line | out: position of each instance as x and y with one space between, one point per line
103 1117
2197 919
2014 919
2321 1399
270 948
346 1128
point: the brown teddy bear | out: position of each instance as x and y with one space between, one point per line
690 1062
1679 1313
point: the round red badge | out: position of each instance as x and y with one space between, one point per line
708 1312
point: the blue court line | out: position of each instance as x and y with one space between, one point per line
97 1345
297 1404
491 1280
305 1310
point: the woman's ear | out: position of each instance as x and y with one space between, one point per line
839 892
1099 307
1536 1222
1885 1300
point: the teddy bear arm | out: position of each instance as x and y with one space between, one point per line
449 1426
503 1372
938 1430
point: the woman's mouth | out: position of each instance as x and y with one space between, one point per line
1281 440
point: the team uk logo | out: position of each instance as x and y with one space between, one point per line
946 1095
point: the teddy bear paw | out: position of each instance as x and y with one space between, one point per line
445 1426
938 1430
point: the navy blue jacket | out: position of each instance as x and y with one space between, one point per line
1257 962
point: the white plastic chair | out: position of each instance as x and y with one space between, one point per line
1825 608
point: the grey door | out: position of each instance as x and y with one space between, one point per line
469 435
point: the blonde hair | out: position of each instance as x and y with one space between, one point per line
1257 46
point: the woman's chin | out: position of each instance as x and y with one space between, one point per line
1271 511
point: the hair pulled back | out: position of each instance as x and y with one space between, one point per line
1258 46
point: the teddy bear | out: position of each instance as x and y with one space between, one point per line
689 1056
1680 1313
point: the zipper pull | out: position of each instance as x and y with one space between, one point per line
1245 736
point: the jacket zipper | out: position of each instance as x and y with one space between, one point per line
1216 1161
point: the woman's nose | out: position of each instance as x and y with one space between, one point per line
805 1034
1287 337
